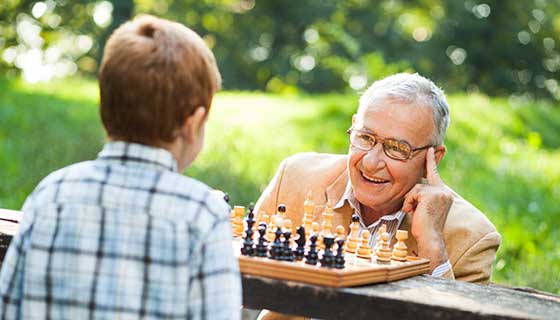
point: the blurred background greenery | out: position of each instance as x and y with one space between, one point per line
293 72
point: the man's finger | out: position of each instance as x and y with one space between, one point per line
431 168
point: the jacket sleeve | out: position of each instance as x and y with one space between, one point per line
475 265
268 200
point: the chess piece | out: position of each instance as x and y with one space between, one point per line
271 228
380 231
288 227
312 256
226 197
276 248
339 258
340 232
282 210
261 247
400 251
308 208
383 251
287 254
327 260
299 252
317 231
262 218
247 249
238 220
364 251
353 238
327 220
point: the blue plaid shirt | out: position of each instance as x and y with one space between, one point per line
122 237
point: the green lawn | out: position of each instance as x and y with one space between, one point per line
502 155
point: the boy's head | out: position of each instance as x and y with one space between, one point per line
154 75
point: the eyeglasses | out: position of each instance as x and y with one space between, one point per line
393 148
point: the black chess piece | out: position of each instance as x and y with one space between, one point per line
299 252
339 258
282 208
276 248
327 259
287 254
261 249
248 244
226 197
251 207
312 256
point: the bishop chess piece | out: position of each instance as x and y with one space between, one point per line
261 248
312 256
353 238
248 245
287 254
327 260
339 258
308 208
383 251
299 252
400 251
364 251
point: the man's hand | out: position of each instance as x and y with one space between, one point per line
429 205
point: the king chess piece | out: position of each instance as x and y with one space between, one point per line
312 256
327 260
261 249
299 252
248 245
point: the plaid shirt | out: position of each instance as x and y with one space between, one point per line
122 237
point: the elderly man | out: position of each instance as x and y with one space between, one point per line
390 177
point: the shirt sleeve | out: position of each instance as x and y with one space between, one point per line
216 285
442 269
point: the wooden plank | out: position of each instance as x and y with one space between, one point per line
419 297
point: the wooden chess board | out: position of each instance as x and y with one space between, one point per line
357 271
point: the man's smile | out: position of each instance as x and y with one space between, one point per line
373 179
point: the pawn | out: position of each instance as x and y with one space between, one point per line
353 238
299 252
383 251
364 250
261 247
327 260
400 251
287 254
312 256
276 248
339 258
340 234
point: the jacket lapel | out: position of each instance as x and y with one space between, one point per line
334 192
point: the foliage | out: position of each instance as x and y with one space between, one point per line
503 155
494 46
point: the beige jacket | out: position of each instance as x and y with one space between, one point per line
470 238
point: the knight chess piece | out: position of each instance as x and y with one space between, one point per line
299 252
248 244
327 259
312 256
353 238
261 248
339 258
364 250
400 251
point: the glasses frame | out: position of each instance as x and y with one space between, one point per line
377 139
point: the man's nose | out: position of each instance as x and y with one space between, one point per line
375 157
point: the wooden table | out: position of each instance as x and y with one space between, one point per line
420 297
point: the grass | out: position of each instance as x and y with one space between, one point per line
503 155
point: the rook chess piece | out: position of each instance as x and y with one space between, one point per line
339 259
364 251
400 251
327 260
312 256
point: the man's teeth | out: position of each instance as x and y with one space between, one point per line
375 180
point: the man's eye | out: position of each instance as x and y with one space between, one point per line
365 137
397 146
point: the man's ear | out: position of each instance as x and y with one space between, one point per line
439 152
193 125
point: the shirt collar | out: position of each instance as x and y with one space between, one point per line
139 154
348 196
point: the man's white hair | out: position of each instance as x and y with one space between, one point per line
414 89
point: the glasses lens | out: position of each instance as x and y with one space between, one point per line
361 140
397 149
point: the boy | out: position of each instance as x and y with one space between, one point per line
126 235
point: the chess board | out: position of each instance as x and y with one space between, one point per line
357 271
